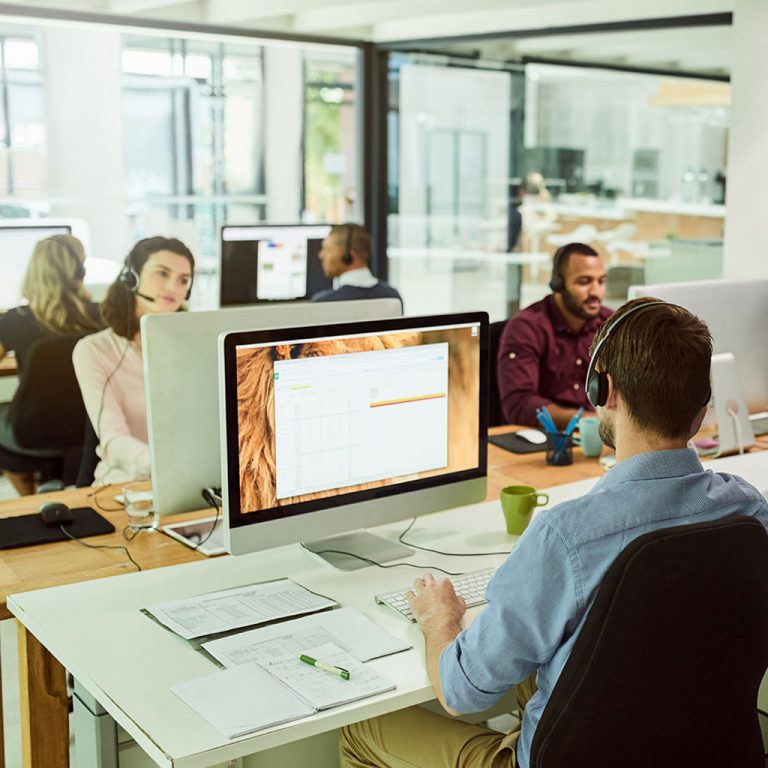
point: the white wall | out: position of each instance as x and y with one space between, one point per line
83 121
283 81
747 185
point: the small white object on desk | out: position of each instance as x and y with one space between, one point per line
532 436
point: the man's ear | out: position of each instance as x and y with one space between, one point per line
696 425
612 400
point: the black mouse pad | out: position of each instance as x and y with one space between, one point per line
511 442
25 530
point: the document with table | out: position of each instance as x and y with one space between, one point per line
279 688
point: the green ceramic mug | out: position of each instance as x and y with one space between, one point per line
518 503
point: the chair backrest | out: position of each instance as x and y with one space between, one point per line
666 669
89 459
47 410
494 401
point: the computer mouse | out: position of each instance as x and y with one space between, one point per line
532 436
55 513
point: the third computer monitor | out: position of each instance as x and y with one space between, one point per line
263 263
181 385
329 429
736 312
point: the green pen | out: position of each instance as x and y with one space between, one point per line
338 671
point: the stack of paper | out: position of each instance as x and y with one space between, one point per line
252 696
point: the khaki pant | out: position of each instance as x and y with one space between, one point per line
417 737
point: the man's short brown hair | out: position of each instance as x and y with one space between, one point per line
354 237
659 360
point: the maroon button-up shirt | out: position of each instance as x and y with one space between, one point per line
541 361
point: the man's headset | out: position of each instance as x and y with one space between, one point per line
130 278
347 256
597 381
556 281
64 243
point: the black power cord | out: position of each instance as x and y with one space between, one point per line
99 546
209 497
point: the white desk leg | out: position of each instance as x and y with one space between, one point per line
95 732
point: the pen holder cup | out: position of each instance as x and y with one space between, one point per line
559 449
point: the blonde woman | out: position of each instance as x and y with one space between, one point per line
58 304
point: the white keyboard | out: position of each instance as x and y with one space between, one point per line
470 586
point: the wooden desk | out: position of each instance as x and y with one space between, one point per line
8 366
44 722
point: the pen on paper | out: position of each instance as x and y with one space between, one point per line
338 671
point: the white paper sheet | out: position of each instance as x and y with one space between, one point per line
236 608
242 700
349 629
323 689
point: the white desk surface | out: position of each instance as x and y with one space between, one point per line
129 663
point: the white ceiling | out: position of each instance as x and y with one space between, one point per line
695 48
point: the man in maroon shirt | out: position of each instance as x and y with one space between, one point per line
544 349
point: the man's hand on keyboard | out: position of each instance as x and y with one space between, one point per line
435 604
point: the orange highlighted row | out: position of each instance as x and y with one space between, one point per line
401 400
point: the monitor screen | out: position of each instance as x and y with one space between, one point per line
335 428
16 246
181 387
271 263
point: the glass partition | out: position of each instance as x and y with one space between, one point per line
175 133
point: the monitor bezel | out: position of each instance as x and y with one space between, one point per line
229 343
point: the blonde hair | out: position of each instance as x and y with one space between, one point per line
53 285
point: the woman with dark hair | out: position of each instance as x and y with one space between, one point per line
58 304
156 277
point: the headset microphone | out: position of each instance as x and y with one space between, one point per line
144 296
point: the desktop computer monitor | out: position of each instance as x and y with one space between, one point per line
264 263
181 387
17 241
736 312
330 429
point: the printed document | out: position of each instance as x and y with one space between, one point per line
236 608
348 628
253 696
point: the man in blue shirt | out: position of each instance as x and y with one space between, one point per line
653 373
345 255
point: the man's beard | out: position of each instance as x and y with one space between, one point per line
575 307
606 432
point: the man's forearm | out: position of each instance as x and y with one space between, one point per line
436 638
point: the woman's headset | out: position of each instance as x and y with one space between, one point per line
130 278
64 243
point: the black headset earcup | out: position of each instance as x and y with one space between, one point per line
597 389
556 280
129 277
347 256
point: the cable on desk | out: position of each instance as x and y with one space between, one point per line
381 565
100 546
209 497
402 540
95 496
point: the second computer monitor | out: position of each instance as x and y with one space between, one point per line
336 428
263 263
181 385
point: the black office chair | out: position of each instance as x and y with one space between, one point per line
89 459
47 413
494 401
665 671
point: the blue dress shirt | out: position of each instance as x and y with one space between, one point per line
540 596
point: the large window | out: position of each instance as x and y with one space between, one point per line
22 120
161 132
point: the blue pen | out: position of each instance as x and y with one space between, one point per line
548 421
573 422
